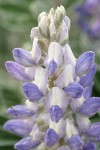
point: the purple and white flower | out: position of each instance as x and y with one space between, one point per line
57 87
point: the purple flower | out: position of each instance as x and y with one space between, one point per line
18 126
23 57
52 67
93 130
55 113
57 87
17 71
31 92
84 63
51 138
89 146
74 90
88 78
20 111
26 144
88 92
76 143
90 107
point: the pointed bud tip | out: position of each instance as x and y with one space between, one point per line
55 113
31 91
51 138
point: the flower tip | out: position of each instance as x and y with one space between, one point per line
31 91
89 146
84 63
55 113
18 126
26 144
74 90
76 142
20 111
51 138
7 63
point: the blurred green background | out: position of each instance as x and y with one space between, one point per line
17 17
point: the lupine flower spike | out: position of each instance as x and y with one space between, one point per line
57 87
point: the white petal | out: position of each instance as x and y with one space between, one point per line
83 122
41 79
36 51
66 77
57 97
30 71
55 53
58 127
70 129
34 33
31 105
76 103
36 133
43 25
69 57
52 31
64 35
67 21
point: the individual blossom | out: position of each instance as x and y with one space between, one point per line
89 18
57 89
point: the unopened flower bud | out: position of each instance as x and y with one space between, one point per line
43 26
51 137
84 63
34 33
17 71
36 51
26 143
18 126
63 37
52 31
59 15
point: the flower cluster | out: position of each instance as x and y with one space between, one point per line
57 88
89 17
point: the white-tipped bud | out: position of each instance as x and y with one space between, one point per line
41 15
58 16
63 10
67 21
34 33
51 12
59 127
64 35
43 26
36 51
69 57
52 31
